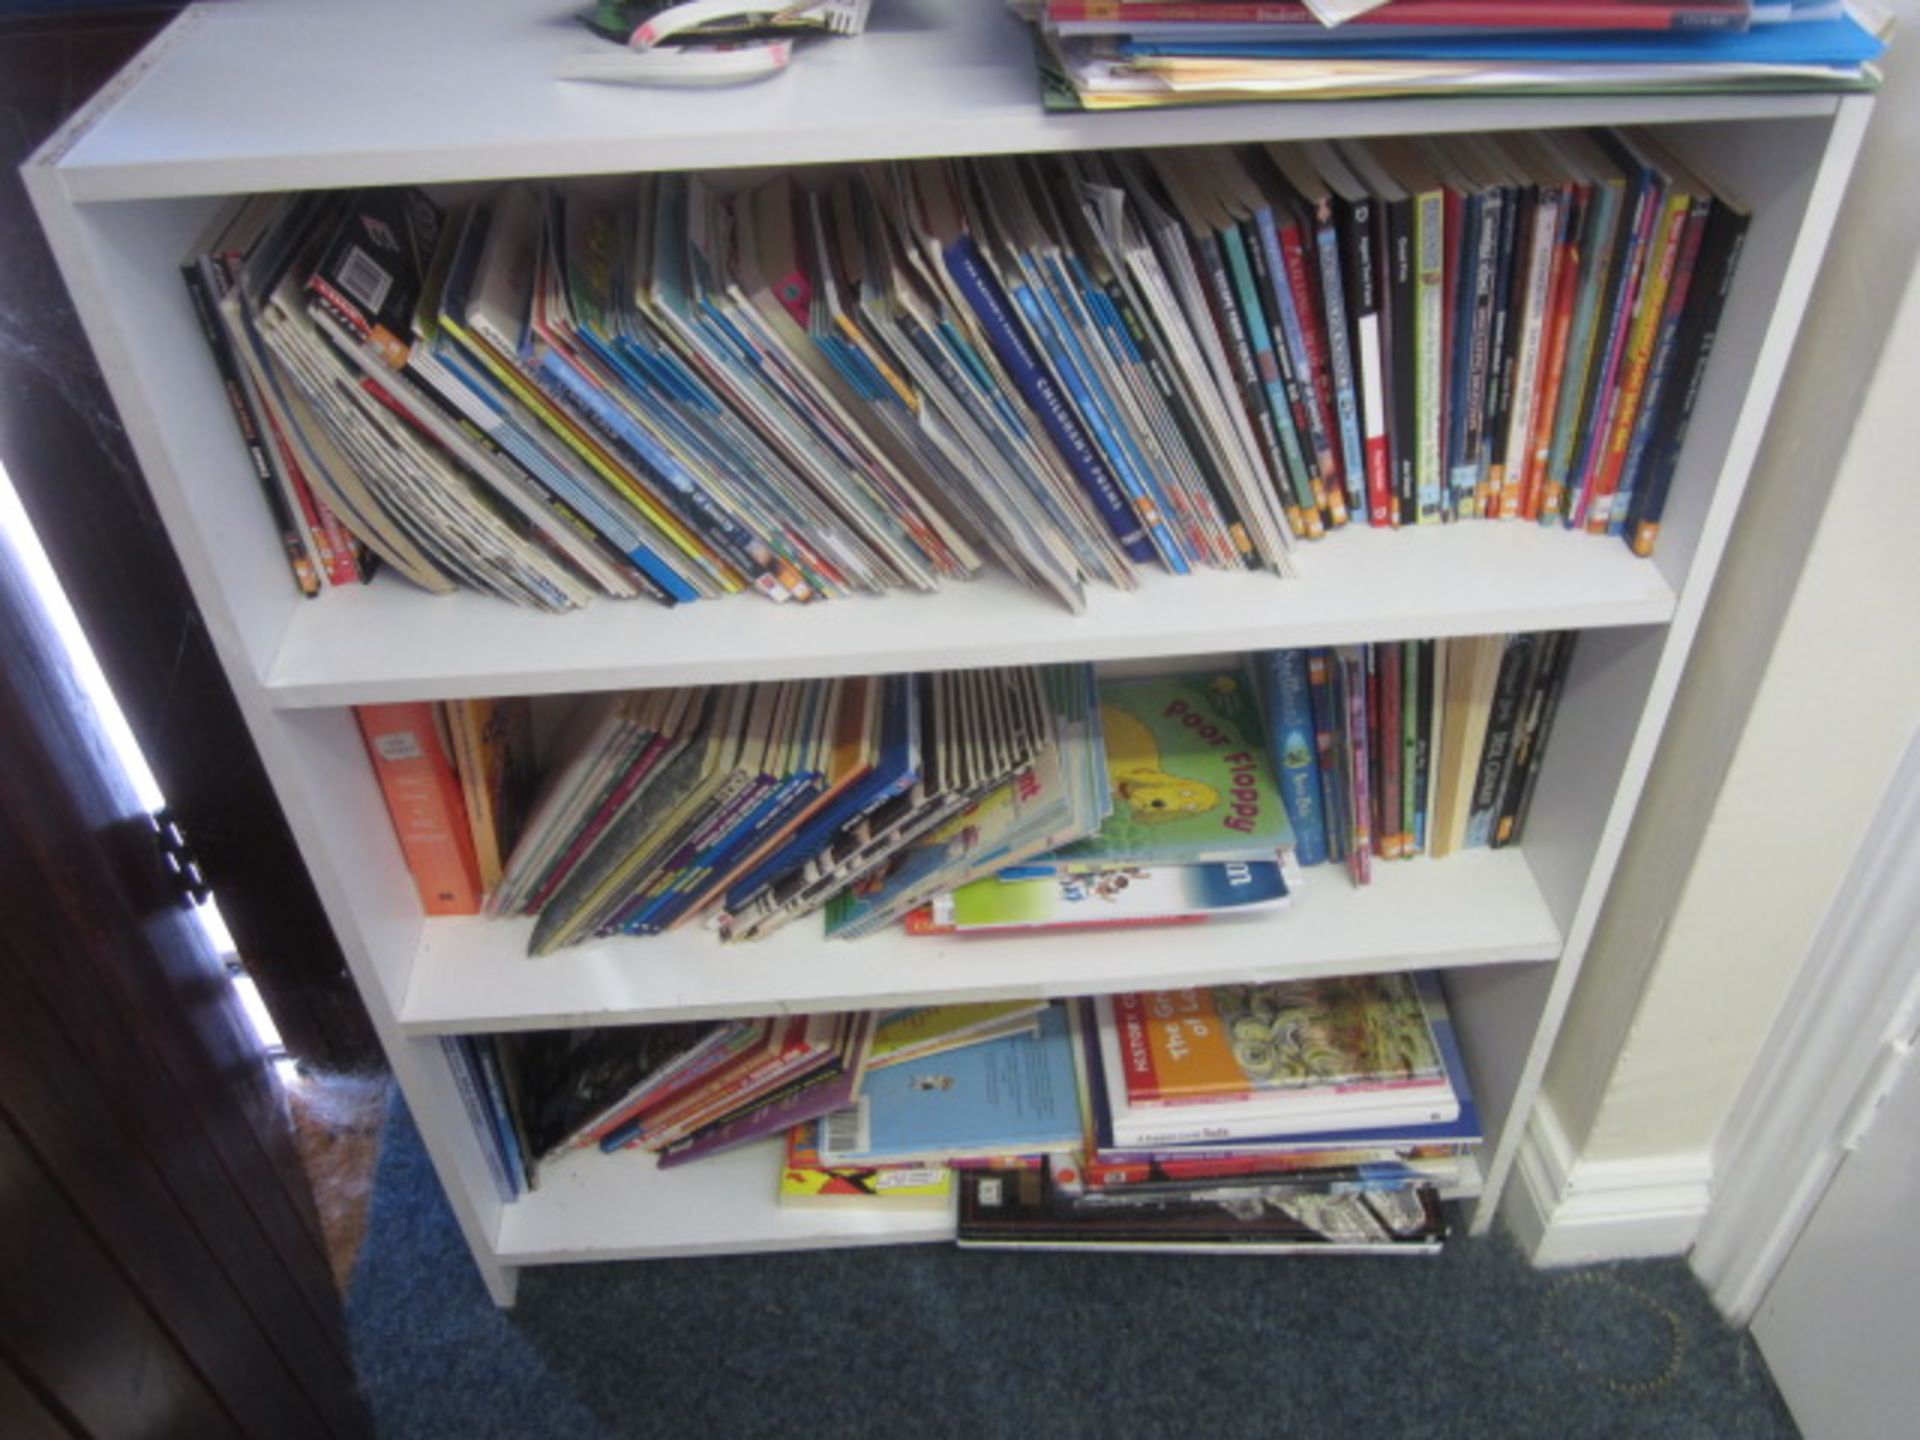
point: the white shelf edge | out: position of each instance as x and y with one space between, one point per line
594 1207
1476 908
1360 585
843 100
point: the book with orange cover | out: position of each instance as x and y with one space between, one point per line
414 763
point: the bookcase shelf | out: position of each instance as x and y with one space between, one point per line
455 91
1358 585
1479 908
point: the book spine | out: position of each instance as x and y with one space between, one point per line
982 292
1389 841
809 1100
1430 349
1513 825
1660 370
520 1164
643 768
1301 318
422 791
1190 428
1712 285
690 499
1516 230
1604 222
1342 362
1496 755
1327 729
1052 320
1479 262
300 563
1549 219
1649 196
1648 311
1417 690
1526 738
1360 244
479 1114
1268 361
1566 270
1353 672
1403 365
1295 756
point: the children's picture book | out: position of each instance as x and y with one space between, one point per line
1187 763
1008 1097
1123 895
1252 1042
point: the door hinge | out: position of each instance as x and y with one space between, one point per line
178 864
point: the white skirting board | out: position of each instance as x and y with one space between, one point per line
1563 1211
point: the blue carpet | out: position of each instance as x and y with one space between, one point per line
931 1341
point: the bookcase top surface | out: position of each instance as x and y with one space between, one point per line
275 94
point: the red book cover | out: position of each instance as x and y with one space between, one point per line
415 768
1553 365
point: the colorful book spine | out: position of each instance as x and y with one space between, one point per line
1294 743
1430 350
1660 371
1720 257
1341 358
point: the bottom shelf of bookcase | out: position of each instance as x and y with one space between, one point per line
619 1207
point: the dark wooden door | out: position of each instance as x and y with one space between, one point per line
64 449
161 1267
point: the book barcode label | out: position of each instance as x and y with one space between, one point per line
365 279
398 745
990 1191
844 1132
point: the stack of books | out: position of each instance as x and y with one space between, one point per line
1124 54
1313 1114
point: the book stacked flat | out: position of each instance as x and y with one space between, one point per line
1290 1116
1121 54
1411 747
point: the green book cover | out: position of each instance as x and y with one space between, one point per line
1190 775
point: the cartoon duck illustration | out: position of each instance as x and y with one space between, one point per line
1133 765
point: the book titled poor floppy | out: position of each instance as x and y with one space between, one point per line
1187 763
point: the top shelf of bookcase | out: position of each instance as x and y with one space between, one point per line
274 94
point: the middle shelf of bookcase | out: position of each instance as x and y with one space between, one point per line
1480 907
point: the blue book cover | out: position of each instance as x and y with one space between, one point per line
1296 760
897 768
1839 43
1013 1096
1003 331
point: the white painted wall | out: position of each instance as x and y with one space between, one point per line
1747 828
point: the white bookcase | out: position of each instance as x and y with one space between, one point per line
274 95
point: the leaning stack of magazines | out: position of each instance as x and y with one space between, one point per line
1125 54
